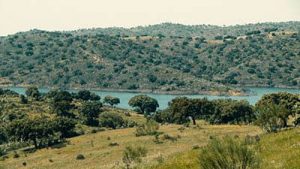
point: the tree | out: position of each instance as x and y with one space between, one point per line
269 117
65 126
87 95
33 92
144 103
183 108
40 131
287 102
91 111
111 100
152 78
232 111
61 102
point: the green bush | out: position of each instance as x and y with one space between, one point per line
149 128
111 120
228 153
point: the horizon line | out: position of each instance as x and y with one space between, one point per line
148 25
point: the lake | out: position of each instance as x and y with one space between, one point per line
163 99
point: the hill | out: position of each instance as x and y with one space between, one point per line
169 58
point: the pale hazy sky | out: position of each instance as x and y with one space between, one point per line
23 15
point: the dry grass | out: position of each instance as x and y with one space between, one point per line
277 151
98 153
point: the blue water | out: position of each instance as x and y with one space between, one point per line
163 99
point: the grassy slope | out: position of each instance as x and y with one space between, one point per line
98 153
278 151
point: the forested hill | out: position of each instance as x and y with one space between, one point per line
166 57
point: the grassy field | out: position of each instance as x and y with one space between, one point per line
277 150
98 154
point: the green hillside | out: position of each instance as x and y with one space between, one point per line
164 58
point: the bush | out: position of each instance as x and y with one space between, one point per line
149 128
23 99
111 120
228 153
80 157
112 144
133 154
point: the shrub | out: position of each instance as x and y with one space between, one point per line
112 144
16 155
133 154
228 153
23 99
80 157
156 139
149 128
169 137
112 120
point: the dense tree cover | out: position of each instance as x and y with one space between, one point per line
144 104
221 111
272 112
111 100
52 117
161 61
40 131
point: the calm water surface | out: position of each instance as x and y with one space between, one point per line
163 99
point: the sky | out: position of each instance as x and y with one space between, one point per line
23 15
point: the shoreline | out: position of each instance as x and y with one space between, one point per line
231 92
